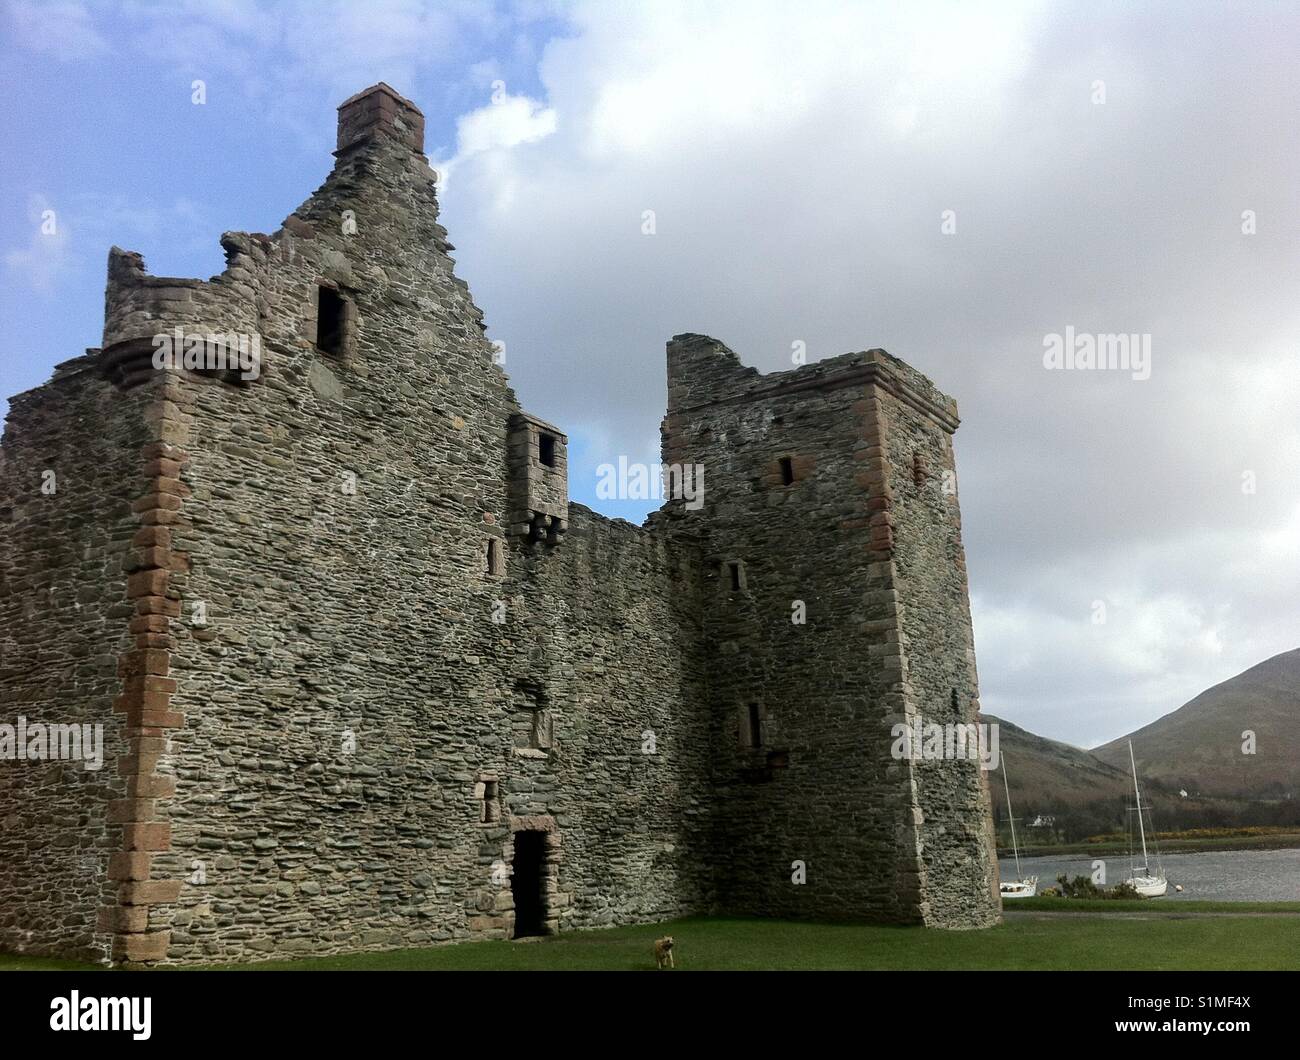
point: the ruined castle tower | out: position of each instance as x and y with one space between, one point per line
366 678
835 607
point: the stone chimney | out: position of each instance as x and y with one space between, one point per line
380 111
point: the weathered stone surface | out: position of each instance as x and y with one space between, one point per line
874 558
352 647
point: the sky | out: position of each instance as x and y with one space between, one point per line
955 183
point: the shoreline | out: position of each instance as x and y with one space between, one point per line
1287 841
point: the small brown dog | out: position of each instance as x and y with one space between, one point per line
664 952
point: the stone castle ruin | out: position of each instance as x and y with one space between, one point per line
366 679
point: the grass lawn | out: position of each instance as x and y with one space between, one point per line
1064 942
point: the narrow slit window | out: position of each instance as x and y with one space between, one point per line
491 810
787 471
329 320
737 582
495 560
546 449
755 726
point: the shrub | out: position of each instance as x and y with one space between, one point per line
1083 887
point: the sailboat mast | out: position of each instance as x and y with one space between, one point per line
1014 848
1138 795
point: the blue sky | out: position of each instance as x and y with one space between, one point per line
1099 159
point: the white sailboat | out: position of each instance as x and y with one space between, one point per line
1146 883
1020 887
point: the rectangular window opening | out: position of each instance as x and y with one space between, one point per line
546 449
495 560
737 583
755 726
787 471
330 309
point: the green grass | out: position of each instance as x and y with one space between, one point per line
11 963
1065 942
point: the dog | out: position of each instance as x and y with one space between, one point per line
664 952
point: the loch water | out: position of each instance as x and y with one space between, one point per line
1212 875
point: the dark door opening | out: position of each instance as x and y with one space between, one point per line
527 884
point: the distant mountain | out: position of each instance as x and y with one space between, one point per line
1046 775
1199 746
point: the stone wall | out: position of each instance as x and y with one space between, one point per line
64 559
360 677
956 836
614 647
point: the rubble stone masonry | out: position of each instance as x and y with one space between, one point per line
368 680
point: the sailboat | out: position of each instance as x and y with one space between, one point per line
1020 887
1145 883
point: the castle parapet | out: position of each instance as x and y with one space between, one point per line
138 308
703 371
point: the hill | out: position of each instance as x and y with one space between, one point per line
1198 747
1046 775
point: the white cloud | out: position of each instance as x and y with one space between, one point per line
1182 612
489 132
514 120
64 29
